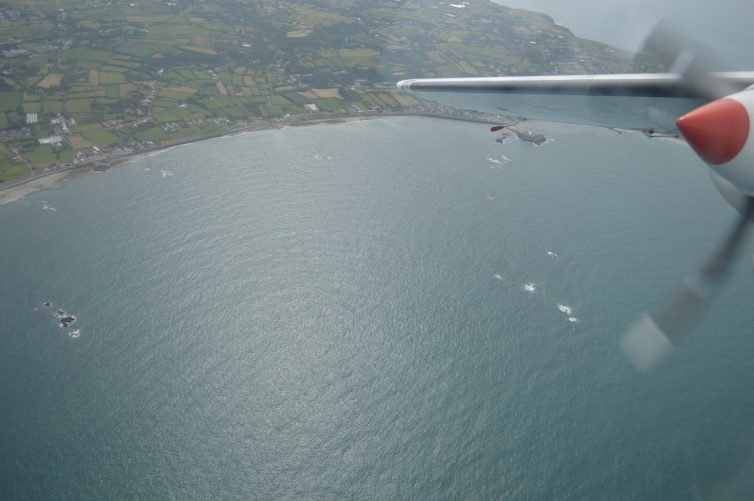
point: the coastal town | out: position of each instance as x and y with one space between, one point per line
87 84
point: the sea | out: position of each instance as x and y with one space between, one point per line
400 308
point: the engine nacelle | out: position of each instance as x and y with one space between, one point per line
734 197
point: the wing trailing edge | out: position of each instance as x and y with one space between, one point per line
621 100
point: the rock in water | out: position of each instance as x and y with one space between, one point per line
531 137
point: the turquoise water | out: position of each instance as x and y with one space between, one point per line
340 312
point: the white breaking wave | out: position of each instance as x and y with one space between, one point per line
530 287
498 276
573 320
498 162
551 254
166 173
565 309
506 138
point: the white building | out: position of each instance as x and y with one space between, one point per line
50 140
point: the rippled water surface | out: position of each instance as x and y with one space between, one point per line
377 310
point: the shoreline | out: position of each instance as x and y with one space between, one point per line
18 190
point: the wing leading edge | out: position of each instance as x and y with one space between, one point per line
639 101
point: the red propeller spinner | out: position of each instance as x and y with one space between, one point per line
716 131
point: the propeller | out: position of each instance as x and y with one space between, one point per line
717 132
655 333
677 53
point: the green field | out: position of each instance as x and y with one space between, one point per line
78 129
32 107
174 96
154 134
328 104
65 156
50 106
89 65
101 137
187 62
41 156
86 54
112 91
78 105
10 100
9 172
166 116
111 77
81 91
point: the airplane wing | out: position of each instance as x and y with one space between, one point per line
632 101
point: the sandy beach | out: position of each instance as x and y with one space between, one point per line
16 193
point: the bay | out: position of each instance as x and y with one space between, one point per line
341 312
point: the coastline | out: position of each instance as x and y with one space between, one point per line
18 190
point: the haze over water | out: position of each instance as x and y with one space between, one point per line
342 312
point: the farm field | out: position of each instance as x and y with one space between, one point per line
110 76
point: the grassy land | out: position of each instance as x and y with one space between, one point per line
159 72
10 172
101 137
41 156
10 100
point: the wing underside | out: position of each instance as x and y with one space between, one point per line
637 101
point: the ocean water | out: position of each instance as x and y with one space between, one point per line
369 311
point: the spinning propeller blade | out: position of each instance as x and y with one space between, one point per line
717 132
655 333
677 53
